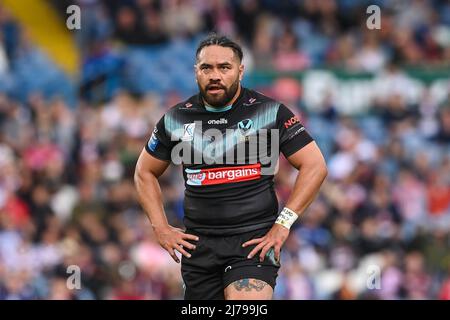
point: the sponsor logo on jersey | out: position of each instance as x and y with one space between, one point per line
245 126
220 121
202 177
290 122
188 133
153 142
250 102
296 132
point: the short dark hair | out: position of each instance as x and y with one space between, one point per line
214 39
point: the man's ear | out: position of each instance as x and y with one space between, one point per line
241 72
195 72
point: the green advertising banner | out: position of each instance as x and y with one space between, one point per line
355 93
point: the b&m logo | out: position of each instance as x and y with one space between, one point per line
291 122
201 177
195 177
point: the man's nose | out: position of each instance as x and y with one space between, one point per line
214 76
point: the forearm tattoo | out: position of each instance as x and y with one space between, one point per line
249 284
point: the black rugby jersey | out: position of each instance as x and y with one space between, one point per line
228 159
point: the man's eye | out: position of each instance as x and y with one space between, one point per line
225 67
204 67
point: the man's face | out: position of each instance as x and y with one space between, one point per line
218 72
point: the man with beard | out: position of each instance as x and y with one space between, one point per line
234 229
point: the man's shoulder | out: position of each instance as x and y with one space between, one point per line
254 98
190 104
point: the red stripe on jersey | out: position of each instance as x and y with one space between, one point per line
224 175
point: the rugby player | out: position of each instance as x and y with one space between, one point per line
234 228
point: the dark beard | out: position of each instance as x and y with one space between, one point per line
222 100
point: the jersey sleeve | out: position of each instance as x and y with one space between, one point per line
293 135
159 145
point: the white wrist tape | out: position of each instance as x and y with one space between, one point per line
286 217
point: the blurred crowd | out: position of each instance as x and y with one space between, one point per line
66 173
283 35
276 35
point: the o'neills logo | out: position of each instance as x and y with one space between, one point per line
220 121
202 177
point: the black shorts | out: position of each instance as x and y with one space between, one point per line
219 261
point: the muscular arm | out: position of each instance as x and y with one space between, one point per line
312 172
148 169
